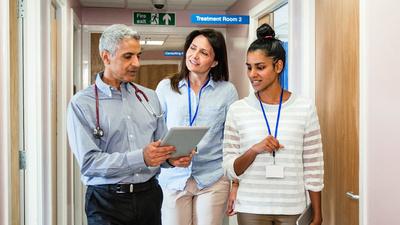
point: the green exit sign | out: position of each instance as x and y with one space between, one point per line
148 18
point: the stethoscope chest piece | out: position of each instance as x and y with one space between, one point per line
98 132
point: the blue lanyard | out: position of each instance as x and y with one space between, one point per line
277 119
191 120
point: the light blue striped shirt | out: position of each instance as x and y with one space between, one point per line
206 166
128 127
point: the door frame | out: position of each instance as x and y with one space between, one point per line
39 196
363 114
5 137
77 189
34 122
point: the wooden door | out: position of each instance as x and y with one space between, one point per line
268 19
150 75
96 63
337 98
15 120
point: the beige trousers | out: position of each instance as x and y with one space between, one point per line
259 219
192 206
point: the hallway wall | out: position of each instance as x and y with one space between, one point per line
379 119
76 6
237 43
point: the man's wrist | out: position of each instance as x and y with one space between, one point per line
169 163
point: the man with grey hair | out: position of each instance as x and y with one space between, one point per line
114 127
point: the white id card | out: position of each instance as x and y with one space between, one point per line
274 171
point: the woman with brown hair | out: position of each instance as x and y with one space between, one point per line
199 95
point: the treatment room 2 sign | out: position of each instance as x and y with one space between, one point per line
219 19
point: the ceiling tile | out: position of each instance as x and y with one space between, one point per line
173 6
177 4
103 3
206 7
210 4
170 4
139 4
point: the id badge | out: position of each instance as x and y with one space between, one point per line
274 171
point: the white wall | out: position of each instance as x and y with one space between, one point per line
379 112
237 44
5 137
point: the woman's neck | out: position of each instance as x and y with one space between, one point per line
197 81
271 95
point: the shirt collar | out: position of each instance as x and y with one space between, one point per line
105 88
252 100
183 82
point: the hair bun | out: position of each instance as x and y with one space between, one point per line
265 31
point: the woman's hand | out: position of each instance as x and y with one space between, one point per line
230 209
269 144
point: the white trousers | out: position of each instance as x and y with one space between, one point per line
192 206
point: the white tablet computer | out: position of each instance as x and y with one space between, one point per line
185 139
306 217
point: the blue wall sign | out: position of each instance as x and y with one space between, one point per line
219 19
173 53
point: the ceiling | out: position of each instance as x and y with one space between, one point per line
169 4
171 41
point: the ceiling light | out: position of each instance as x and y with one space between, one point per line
147 42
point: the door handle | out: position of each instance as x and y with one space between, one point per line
352 196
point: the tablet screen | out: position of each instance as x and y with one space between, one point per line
185 139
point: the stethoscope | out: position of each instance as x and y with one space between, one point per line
140 95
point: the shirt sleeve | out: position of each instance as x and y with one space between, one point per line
233 97
231 146
160 90
312 155
91 159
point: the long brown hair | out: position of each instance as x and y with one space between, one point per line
217 41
